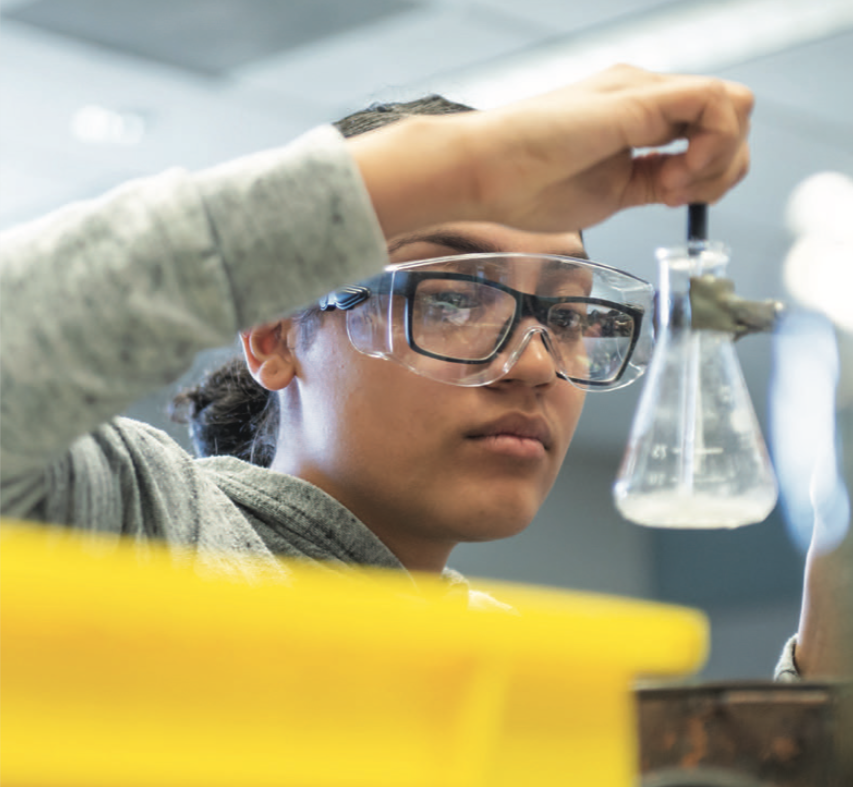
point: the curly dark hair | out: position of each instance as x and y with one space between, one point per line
228 413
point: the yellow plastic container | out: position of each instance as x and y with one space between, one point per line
125 669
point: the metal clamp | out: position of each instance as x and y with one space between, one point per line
715 307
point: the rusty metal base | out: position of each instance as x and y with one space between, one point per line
744 734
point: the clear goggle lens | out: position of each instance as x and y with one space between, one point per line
466 319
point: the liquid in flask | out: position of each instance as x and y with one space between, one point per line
695 456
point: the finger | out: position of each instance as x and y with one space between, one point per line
681 174
743 99
649 181
698 108
645 185
716 142
623 108
710 149
710 153
711 188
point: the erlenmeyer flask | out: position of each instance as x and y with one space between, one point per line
695 456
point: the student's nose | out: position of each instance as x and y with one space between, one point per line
535 364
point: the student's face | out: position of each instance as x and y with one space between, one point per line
426 464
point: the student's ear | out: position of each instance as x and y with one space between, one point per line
269 354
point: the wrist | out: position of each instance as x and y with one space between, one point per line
418 172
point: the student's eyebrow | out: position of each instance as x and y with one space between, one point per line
461 244
465 244
565 273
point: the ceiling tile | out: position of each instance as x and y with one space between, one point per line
559 17
382 62
208 36
812 80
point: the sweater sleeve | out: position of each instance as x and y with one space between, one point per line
106 301
786 668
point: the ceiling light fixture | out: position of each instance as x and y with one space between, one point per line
99 125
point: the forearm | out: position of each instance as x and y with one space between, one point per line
419 172
825 633
109 300
825 637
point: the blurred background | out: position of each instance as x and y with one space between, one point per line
95 92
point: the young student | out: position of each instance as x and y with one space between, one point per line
393 439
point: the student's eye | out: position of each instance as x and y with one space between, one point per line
453 300
452 305
567 320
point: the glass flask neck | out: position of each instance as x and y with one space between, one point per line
676 267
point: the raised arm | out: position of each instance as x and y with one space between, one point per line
106 301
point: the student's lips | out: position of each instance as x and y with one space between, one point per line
515 435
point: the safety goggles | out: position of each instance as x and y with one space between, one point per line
466 319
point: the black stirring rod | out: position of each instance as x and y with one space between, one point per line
697 222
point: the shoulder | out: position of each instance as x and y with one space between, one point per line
130 477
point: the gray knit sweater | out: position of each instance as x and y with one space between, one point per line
107 301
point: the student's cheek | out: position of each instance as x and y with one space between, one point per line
569 406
